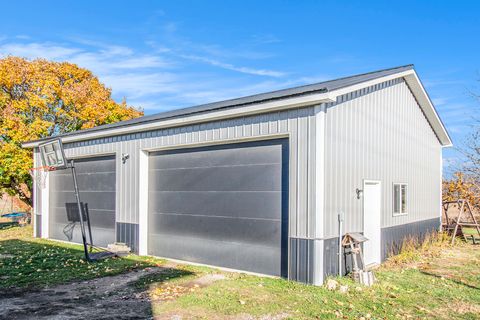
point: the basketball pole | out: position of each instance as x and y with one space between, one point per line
80 211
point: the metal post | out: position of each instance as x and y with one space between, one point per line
87 214
340 228
80 211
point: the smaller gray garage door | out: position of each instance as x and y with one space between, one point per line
96 182
221 205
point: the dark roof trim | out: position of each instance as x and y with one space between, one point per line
321 87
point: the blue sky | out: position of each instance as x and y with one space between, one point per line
166 55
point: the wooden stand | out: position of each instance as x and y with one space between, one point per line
353 241
454 226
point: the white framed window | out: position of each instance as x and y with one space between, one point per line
400 199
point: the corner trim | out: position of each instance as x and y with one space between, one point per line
143 202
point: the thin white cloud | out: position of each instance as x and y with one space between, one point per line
228 66
440 101
22 36
103 63
265 39
432 83
156 80
105 58
136 85
48 51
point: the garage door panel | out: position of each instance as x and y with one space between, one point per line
254 231
262 205
101 164
102 200
216 156
219 253
101 236
98 181
98 218
235 178
223 205
102 218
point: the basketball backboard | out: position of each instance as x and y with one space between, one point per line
52 154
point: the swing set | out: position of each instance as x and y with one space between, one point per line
53 158
457 223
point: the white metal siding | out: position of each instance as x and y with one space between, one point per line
379 133
376 133
299 124
37 197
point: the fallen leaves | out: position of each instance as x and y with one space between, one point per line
170 291
39 262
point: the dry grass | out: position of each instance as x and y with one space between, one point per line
415 249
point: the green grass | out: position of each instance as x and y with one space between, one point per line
31 262
407 294
470 231
435 281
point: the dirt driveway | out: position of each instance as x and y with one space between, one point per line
105 298
114 297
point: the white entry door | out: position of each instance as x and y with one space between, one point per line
372 209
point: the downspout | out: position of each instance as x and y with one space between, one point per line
340 232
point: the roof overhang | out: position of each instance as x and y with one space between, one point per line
280 104
253 109
428 108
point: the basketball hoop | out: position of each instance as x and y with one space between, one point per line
39 175
52 157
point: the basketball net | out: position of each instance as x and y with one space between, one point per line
40 174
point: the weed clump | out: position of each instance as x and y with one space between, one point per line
417 248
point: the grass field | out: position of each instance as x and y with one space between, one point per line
29 262
433 283
436 281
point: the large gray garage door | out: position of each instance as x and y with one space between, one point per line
222 205
96 182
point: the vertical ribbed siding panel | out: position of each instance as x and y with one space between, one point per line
381 134
131 165
311 174
302 174
293 187
37 198
135 171
298 123
124 188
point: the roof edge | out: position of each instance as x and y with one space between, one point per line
326 91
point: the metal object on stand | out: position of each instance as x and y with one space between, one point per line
353 241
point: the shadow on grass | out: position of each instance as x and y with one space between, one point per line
38 263
160 277
31 270
454 280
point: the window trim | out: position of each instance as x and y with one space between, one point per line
399 214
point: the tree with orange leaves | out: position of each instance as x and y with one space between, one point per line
40 98
462 186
